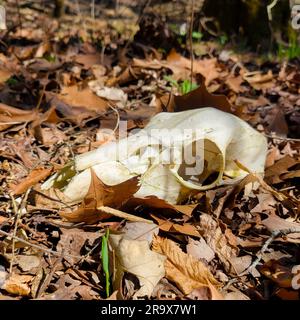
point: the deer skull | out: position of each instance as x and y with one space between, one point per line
174 155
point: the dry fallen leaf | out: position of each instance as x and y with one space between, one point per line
275 223
33 178
49 136
17 285
72 241
75 97
135 257
109 93
219 241
280 274
70 289
98 196
169 226
27 263
240 264
4 74
140 231
181 67
276 172
184 270
258 80
200 250
198 98
234 83
10 116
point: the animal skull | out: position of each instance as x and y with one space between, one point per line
175 154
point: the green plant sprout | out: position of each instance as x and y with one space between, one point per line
290 51
105 261
184 86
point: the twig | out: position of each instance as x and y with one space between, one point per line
52 199
118 116
93 10
102 54
264 248
123 215
191 43
41 97
90 252
17 211
269 11
230 282
80 15
19 13
147 3
55 253
48 278
270 7
281 138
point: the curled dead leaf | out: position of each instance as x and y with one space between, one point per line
33 178
184 270
223 243
99 197
135 257
169 226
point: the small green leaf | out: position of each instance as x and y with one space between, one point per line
171 80
197 35
11 81
223 39
105 261
186 86
50 57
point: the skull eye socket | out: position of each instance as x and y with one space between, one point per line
202 163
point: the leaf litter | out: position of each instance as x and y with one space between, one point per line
57 90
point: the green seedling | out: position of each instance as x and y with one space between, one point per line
223 39
197 35
50 57
289 52
105 261
184 87
12 81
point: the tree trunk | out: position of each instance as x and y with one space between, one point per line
248 20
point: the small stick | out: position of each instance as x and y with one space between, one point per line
55 253
269 9
118 116
93 10
141 15
19 13
264 248
122 214
191 43
48 278
281 138
80 15
17 211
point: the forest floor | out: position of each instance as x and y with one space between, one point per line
61 83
